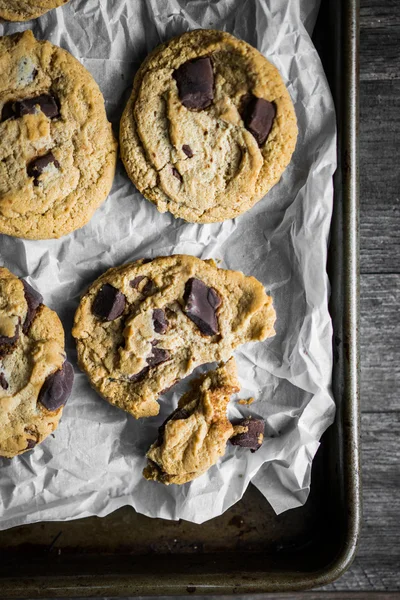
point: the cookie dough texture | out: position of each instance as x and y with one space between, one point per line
66 194
24 367
24 10
116 355
195 436
228 172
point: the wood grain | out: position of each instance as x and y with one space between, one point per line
380 34
380 343
380 176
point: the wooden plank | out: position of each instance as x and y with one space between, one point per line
380 343
379 40
380 176
376 566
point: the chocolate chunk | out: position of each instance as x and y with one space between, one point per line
9 341
135 282
160 321
258 116
195 80
8 111
201 303
157 357
30 444
47 104
253 437
177 415
109 303
187 150
38 165
176 174
33 300
149 288
146 260
139 376
57 387
3 381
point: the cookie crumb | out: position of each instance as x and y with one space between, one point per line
245 401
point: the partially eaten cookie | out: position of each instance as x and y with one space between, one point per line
144 326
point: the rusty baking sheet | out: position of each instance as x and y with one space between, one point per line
249 548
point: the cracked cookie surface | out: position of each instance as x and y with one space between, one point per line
194 437
24 10
57 150
143 326
35 379
209 127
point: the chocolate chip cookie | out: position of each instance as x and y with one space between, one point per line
195 435
57 150
35 378
24 10
143 326
209 127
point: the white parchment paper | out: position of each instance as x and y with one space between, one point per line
92 465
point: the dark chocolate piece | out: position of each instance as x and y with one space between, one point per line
57 387
201 303
9 341
258 117
195 80
33 300
176 174
47 104
135 282
253 437
139 376
109 303
157 357
149 288
3 381
30 444
178 414
8 111
160 321
37 166
187 150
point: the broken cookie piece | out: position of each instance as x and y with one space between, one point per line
194 437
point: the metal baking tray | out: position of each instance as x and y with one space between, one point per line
248 549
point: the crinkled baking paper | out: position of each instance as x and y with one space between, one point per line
93 463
